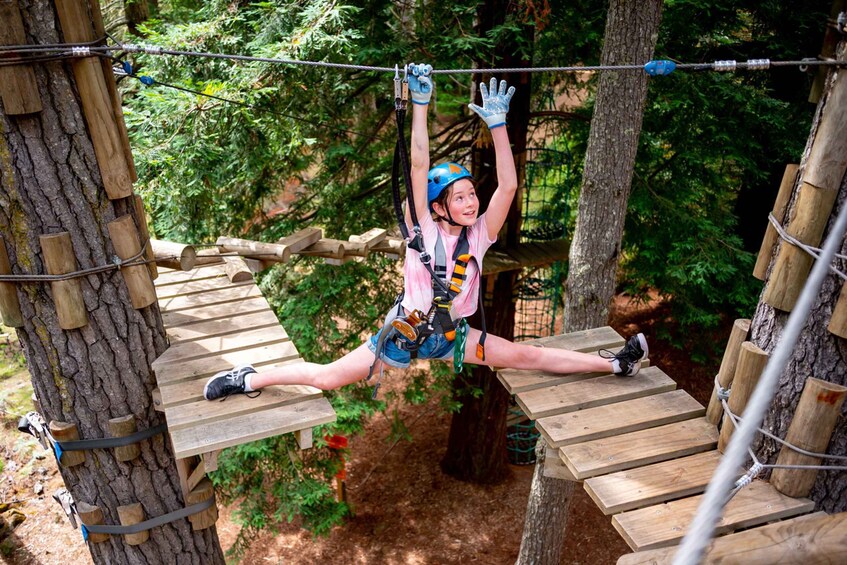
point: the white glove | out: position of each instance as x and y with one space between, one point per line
494 106
420 83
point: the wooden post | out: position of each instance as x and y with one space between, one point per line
737 336
10 307
96 102
331 248
789 177
145 234
122 427
393 248
838 322
751 362
208 517
810 429
257 249
792 265
91 515
125 241
129 515
18 88
59 259
369 239
172 255
62 431
303 438
209 256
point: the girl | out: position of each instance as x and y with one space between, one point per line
448 192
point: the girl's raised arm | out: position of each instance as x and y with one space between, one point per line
420 87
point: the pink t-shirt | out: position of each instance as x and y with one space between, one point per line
418 280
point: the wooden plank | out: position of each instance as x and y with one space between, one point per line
197 286
640 448
222 326
205 413
170 276
665 524
18 87
619 418
174 372
580 395
652 484
585 341
201 314
554 468
216 345
251 427
220 296
806 540
186 391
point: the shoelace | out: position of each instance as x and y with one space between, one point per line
233 378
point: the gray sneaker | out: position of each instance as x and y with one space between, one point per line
225 383
627 361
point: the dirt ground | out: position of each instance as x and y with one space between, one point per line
406 509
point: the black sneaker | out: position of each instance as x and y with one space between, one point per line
225 383
627 361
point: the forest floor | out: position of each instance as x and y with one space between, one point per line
406 510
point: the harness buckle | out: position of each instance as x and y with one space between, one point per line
33 423
66 501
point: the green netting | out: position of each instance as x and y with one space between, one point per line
520 440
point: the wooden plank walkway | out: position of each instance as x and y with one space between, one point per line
643 448
212 325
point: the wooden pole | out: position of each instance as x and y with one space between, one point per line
141 215
786 187
133 514
122 427
96 102
172 255
276 252
810 429
792 265
18 88
62 431
237 270
751 362
331 248
91 516
838 321
737 336
59 259
10 307
207 518
125 241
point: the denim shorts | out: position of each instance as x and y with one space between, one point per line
436 346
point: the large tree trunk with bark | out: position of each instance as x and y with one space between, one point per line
818 352
476 448
50 182
630 37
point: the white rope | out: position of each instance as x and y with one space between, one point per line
813 251
708 514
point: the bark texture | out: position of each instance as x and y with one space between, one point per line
818 354
631 32
50 183
476 448
630 37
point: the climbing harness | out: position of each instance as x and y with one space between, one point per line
409 332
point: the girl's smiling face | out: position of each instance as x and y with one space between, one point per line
462 203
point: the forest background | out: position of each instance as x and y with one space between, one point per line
259 151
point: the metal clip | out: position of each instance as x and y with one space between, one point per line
405 93
758 64
724 66
33 423
398 88
64 498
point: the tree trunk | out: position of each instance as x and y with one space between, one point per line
50 183
630 37
818 352
631 33
476 448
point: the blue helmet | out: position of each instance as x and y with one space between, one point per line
441 177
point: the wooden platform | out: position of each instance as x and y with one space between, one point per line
212 325
642 447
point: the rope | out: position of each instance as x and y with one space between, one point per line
702 527
813 251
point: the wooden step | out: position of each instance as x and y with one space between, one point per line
806 540
597 391
586 341
253 426
636 449
665 524
229 293
660 482
168 373
204 329
247 338
197 286
213 312
172 276
619 418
